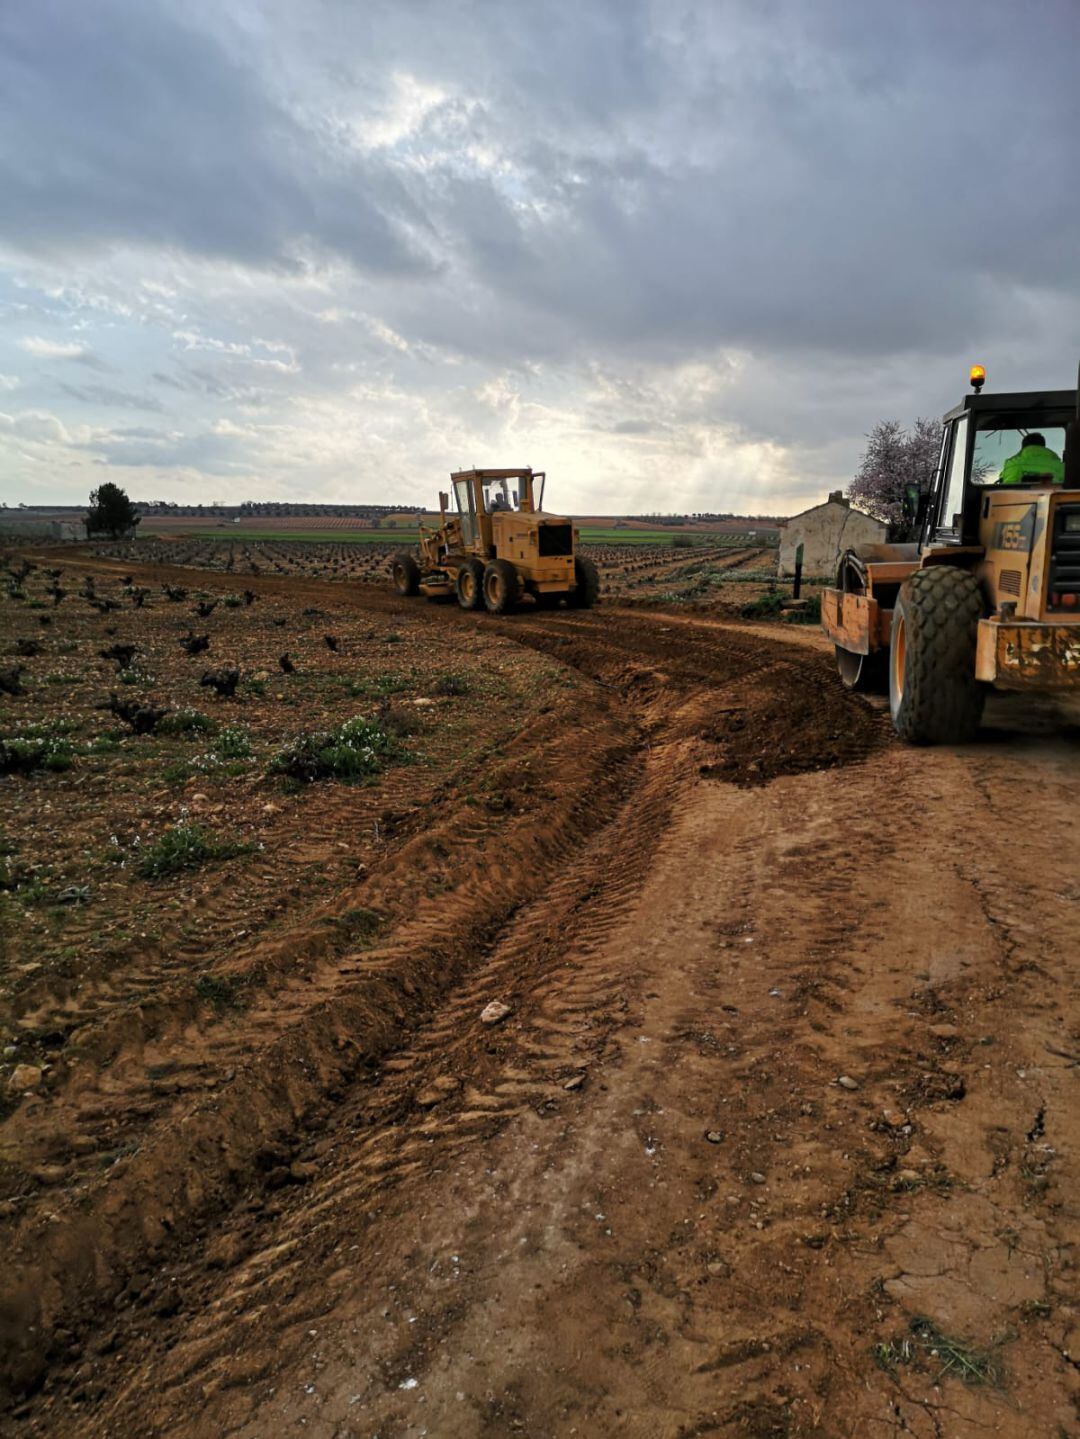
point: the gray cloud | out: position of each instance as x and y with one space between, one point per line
42 348
124 124
668 179
142 447
108 396
203 383
689 225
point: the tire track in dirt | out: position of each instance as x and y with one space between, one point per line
134 1039
740 1283
320 1028
403 1124
655 687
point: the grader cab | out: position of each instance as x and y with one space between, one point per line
988 597
495 545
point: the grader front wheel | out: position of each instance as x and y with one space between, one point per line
586 584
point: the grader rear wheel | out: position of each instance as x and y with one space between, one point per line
470 585
501 588
405 573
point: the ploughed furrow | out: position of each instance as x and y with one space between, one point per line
336 1007
691 655
269 1137
763 708
142 1041
455 1082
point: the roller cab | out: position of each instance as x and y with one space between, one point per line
988 594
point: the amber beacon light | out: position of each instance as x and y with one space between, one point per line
977 377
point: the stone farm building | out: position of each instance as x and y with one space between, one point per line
825 531
30 525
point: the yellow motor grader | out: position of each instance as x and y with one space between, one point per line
988 596
497 545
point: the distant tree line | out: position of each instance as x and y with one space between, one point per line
269 508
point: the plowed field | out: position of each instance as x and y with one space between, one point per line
772 1132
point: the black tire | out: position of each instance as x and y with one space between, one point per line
405 573
501 588
470 585
866 674
586 584
934 696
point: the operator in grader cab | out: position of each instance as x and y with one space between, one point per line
1031 463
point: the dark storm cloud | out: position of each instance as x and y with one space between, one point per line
653 223
862 190
123 123
668 177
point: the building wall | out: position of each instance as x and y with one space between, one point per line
825 532
28 526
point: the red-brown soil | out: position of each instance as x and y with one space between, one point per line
280 1177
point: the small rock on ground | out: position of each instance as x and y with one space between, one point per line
494 1012
24 1077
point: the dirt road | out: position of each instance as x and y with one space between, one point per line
778 1136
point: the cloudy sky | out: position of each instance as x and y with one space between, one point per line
680 254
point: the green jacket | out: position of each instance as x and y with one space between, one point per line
1032 460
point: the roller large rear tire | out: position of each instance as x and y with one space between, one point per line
405 573
934 697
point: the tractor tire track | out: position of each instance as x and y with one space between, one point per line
394 1127
346 1043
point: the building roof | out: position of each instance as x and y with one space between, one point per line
837 501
